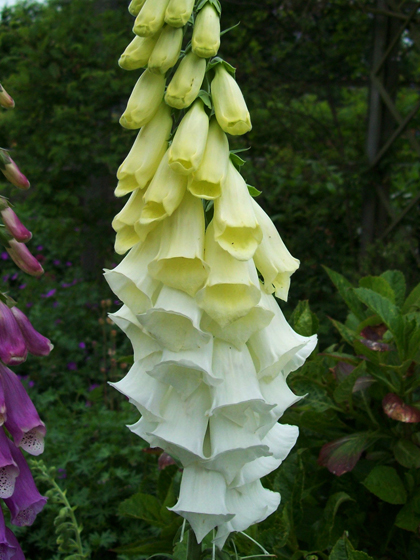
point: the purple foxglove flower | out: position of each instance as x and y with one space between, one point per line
9 546
36 344
12 344
15 226
12 172
22 422
8 469
26 502
5 100
3 410
23 258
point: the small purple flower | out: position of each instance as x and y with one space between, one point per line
29 304
68 263
22 286
82 345
62 473
6 277
4 256
56 262
39 248
56 304
93 386
14 276
36 343
31 384
49 293
72 366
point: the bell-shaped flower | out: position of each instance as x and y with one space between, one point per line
238 332
36 343
205 41
179 263
139 167
164 194
272 258
251 504
232 288
143 344
13 225
186 82
23 258
138 52
151 17
175 321
6 100
207 181
189 143
144 100
26 502
187 369
12 549
277 391
12 172
276 345
167 50
280 440
13 349
232 447
179 12
130 280
229 104
135 6
8 470
23 422
184 425
236 228
202 500
239 396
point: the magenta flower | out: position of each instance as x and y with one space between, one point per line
12 172
23 258
12 344
14 546
8 470
36 344
15 226
6 100
9 546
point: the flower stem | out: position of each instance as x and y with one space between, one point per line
193 548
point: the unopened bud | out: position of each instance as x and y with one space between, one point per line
206 35
15 226
186 82
23 258
135 6
138 52
179 12
167 50
5 100
150 18
36 343
144 100
12 172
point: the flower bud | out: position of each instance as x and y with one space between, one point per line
164 194
138 52
150 18
144 100
207 181
229 103
14 226
166 51
206 34
186 82
5 100
189 143
12 172
12 344
139 167
179 12
36 344
135 6
272 258
236 228
22 257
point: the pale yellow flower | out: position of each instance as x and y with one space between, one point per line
138 52
135 6
189 143
179 12
186 82
229 104
125 221
207 181
166 51
150 18
206 34
144 100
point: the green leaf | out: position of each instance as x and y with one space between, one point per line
237 161
408 517
379 285
214 3
344 390
344 550
345 289
396 280
143 506
205 98
217 60
253 191
303 320
317 398
229 29
385 483
407 454
146 547
412 303
330 511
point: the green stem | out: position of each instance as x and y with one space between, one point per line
193 548
72 516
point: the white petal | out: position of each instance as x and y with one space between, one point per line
278 392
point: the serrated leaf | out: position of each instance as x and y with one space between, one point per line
396 280
344 390
379 285
345 289
385 483
143 506
412 303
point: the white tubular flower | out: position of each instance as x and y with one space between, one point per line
272 258
186 82
179 12
165 193
143 344
274 347
135 6
179 263
151 17
232 288
189 143
187 369
252 504
138 52
175 321
277 391
124 221
183 426
167 50
208 180
206 34
203 509
130 280
139 167
229 104
236 228
144 101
